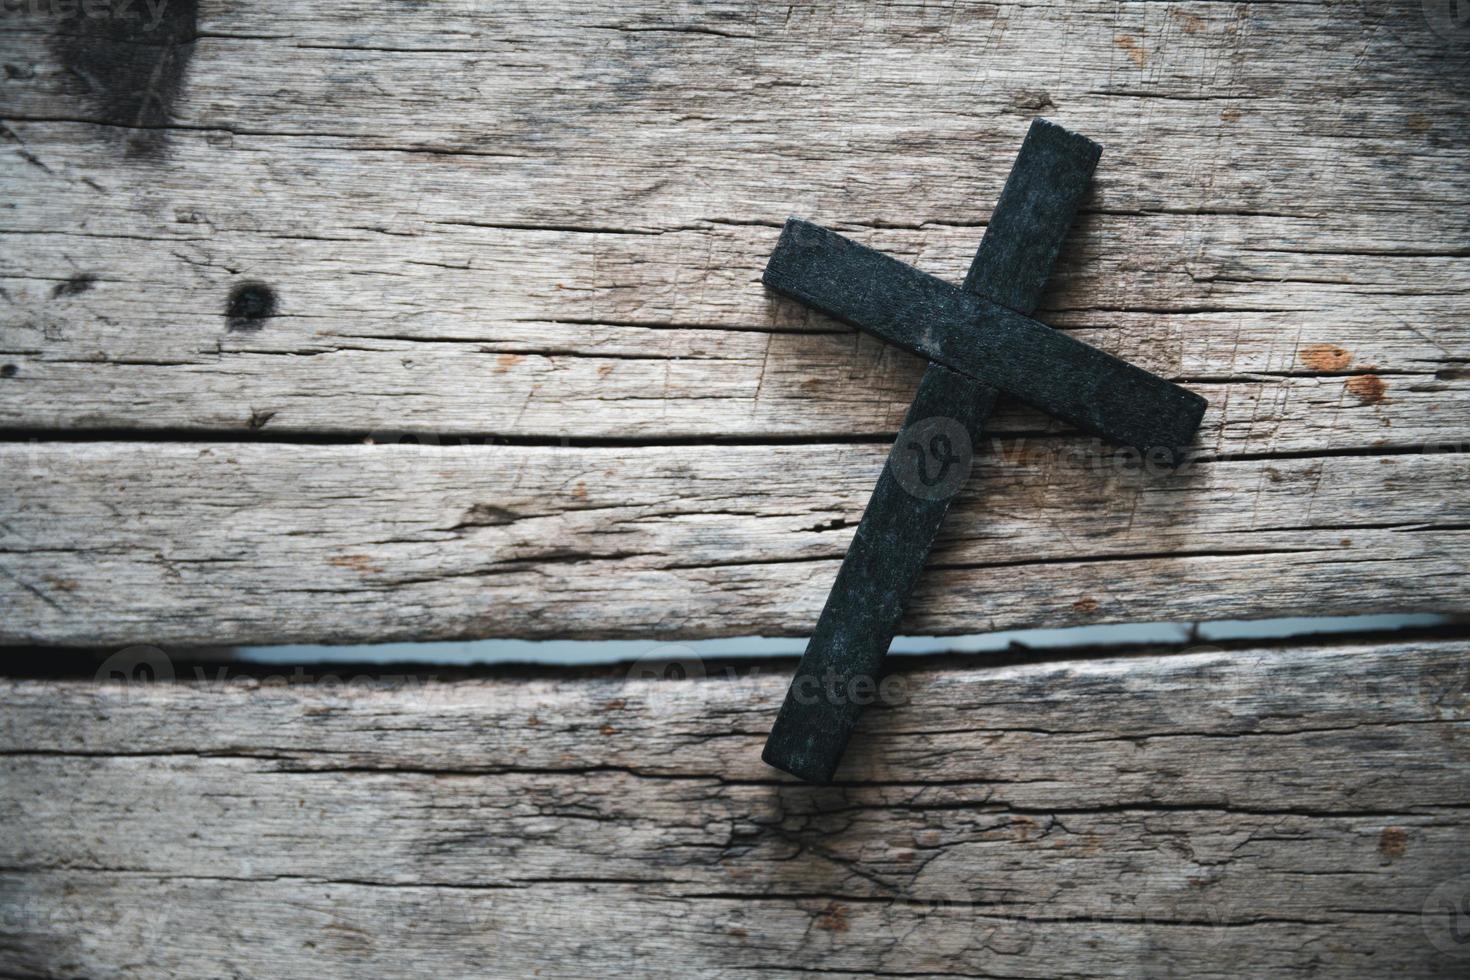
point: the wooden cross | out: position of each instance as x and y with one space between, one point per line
980 342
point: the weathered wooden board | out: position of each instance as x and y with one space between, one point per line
111 543
558 334
1208 813
433 192
546 222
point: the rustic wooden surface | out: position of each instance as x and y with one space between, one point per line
1204 813
528 238
543 224
168 543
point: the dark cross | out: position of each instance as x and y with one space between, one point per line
980 342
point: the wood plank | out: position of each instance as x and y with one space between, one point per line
543 91
112 543
1349 372
1212 812
546 223
421 234
630 348
537 333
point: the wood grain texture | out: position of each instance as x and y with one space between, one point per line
1206 813
547 222
112 543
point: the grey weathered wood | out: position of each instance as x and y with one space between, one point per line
547 221
1252 811
111 543
413 218
552 333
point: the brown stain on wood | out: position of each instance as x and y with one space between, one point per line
833 918
1023 827
1131 48
1086 605
1392 842
358 563
1418 122
1188 23
1229 114
1367 388
505 362
1325 357
608 730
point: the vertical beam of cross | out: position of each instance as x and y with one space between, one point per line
926 466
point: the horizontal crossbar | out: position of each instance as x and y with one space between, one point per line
974 336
